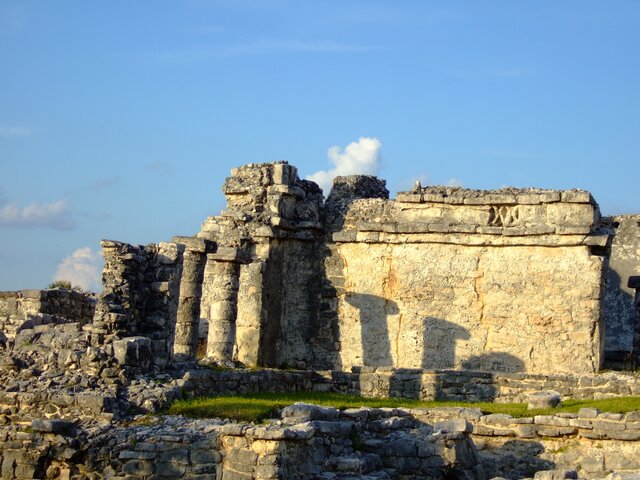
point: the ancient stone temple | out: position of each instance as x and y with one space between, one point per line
441 277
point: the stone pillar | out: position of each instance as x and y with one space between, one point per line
188 316
250 313
224 270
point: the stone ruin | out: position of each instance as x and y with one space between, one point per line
442 293
508 280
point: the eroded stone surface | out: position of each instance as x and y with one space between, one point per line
623 328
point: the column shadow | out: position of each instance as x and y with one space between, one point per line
374 331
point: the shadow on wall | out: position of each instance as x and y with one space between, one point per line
439 340
374 312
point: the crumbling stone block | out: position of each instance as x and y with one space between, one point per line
133 351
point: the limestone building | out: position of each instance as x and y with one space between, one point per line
439 278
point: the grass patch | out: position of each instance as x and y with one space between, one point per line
256 407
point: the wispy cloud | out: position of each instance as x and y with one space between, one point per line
258 47
15 131
56 216
102 183
158 168
361 157
455 182
83 268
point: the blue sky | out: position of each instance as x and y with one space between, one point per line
121 120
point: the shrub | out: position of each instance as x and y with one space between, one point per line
66 285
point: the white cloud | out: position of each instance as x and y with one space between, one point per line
56 215
83 268
14 131
358 158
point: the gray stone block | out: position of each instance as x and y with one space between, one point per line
61 427
543 400
133 351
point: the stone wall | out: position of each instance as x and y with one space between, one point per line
309 442
442 278
147 302
473 386
623 330
30 308
152 395
592 442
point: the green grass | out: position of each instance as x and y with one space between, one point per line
256 407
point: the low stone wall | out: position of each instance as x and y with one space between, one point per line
324 443
31 308
309 442
592 442
150 395
472 386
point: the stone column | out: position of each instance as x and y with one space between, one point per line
188 316
250 313
224 270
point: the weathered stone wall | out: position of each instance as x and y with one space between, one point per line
152 395
324 443
623 330
473 386
309 442
444 278
29 308
591 442
139 304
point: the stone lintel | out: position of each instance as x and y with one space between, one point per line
195 244
230 254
